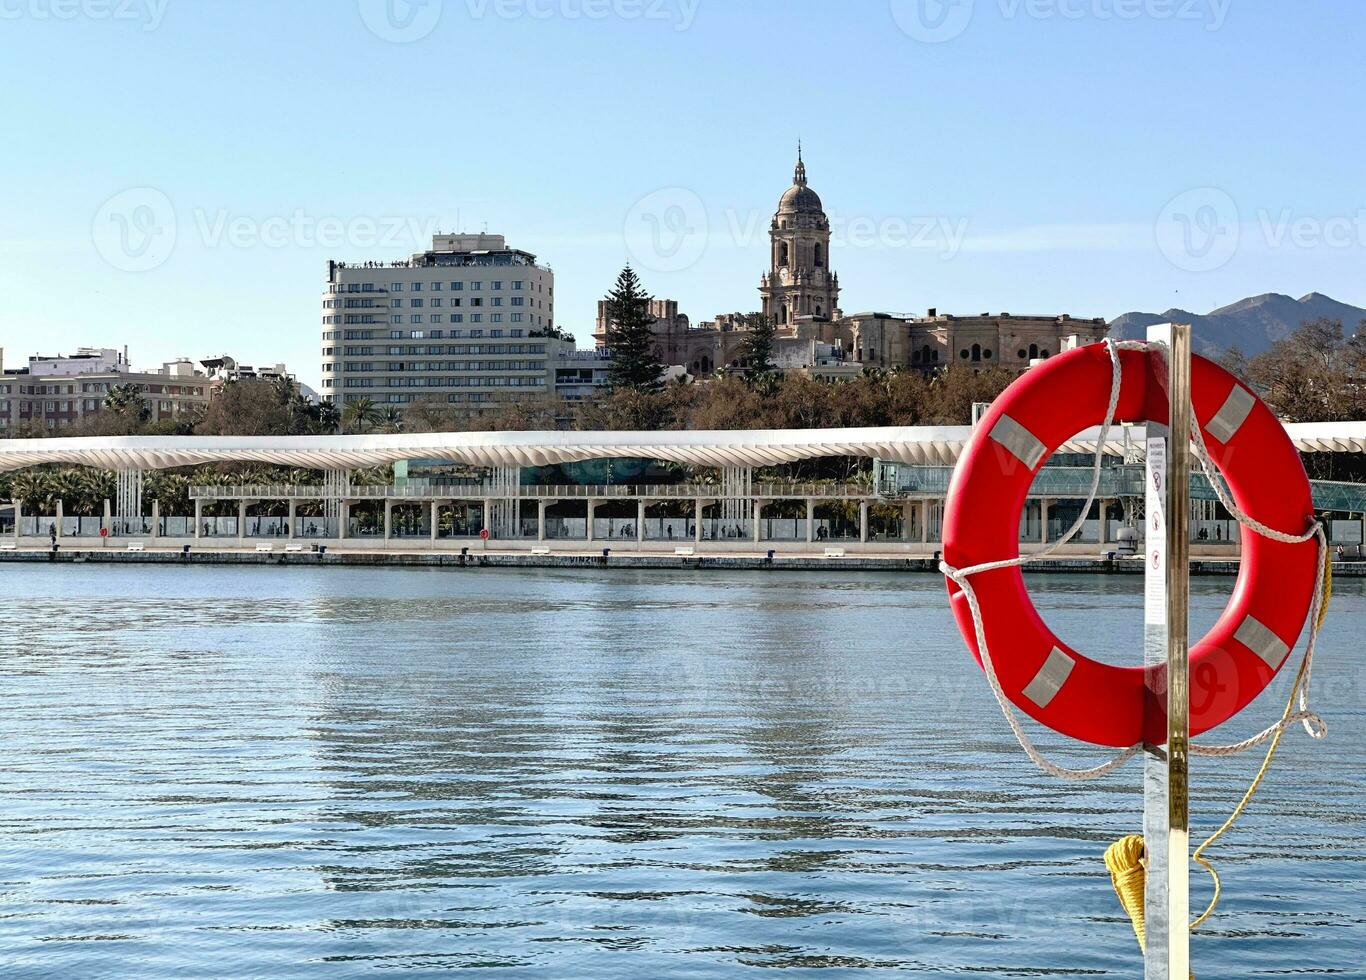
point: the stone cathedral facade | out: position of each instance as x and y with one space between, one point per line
799 282
800 292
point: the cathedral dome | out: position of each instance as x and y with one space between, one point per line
799 198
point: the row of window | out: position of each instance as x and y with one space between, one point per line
457 349
362 319
69 406
500 382
415 334
395 398
369 366
475 286
420 303
99 388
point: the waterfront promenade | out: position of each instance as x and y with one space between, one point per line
718 505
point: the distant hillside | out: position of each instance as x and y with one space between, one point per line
1252 324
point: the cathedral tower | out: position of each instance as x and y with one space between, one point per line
799 282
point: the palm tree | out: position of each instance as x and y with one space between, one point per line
126 399
360 412
31 488
65 485
97 486
329 418
391 418
171 491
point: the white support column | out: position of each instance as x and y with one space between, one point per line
1103 535
293 518
156 518
925 521
435 519
699 508
388 520
241 521
128 499
592 506
343 519
640 520
198 517
810 520
488 516
863 522
335 485
541 506
61 511
737 486
108 518
907 520
19 516
1043 520
758 519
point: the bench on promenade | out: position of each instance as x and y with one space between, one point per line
685 552
265 547
8 546
541 549
834 552
136 546
293 548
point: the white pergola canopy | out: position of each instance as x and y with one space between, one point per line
720 448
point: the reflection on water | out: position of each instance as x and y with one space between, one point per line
252 772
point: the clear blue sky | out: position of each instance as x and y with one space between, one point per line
1025 159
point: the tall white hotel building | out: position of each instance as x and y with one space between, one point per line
469 323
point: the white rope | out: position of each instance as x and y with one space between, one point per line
1313 724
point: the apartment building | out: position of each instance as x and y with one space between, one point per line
56 392
470 322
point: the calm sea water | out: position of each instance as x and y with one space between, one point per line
260 772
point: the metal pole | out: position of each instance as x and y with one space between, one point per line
1166 826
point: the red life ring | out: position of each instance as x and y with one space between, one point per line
1043 676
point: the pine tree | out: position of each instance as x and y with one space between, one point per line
757 352
629 336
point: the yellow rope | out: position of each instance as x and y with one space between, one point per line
1126 858
1198 855
1128 864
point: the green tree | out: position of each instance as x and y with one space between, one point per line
391 418
757 351
360 412
31 489
248 408
328 416
171 491
127 399
629 335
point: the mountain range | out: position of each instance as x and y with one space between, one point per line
1251 324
